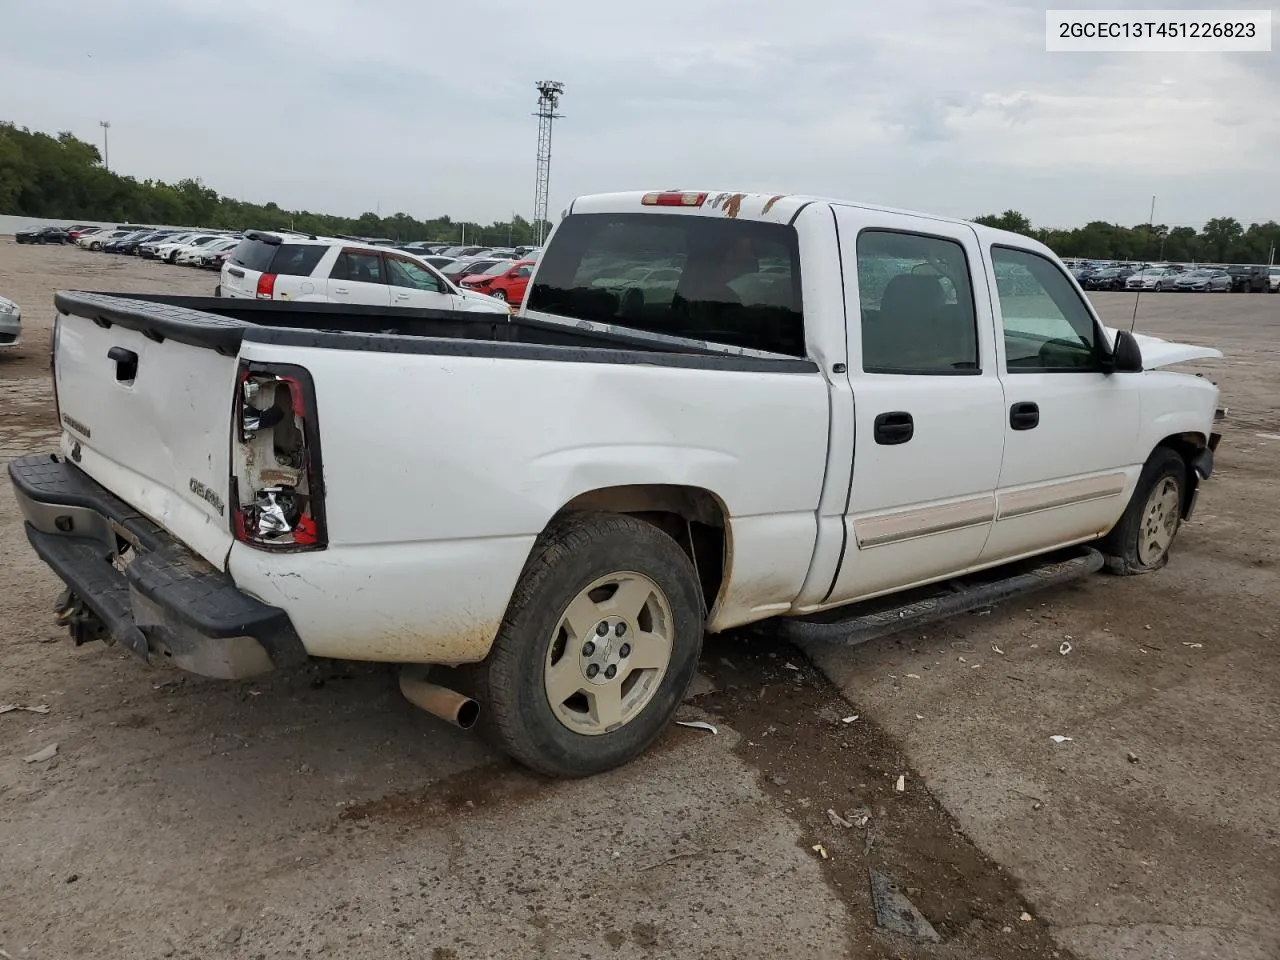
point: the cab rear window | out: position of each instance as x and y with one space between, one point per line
732 282
290 259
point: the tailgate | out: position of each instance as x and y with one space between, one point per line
148 415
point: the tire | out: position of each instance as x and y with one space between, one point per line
1159 287
217 291
574 563
1141 541
499 295
95 246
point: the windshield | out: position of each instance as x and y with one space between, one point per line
501 267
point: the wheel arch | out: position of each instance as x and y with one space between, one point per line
1191 446
694 517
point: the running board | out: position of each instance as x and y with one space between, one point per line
871 619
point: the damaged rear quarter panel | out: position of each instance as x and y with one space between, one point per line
440 472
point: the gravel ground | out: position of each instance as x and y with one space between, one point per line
316 813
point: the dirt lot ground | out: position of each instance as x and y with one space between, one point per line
315 813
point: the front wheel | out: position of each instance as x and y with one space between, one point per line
1141 541
598 646
499 295
1159 288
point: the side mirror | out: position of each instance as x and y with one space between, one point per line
1126 356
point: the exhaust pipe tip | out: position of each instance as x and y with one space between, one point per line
449 705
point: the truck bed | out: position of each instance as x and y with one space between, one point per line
223 324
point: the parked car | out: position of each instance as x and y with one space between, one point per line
216 253
131 246
1158 279
1273 279
171 248
1248 278
84 236
595 485
96 241
42 235
268 266
190 255
10 323
463 251
127 243
466 267
148 248
437 261
1203 281
1108 278
74 232
503 281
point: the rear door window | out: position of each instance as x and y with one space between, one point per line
917 305
732 282
358 266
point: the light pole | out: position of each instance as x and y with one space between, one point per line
549 92
106 151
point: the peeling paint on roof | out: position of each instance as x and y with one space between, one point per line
770 202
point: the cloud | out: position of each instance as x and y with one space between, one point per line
953 107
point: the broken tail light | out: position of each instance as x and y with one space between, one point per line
276 484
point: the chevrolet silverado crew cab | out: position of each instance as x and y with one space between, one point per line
711 410
273 266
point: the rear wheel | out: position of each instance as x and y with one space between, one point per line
1141 541
598 646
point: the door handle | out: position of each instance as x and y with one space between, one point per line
894 428
341 290
126 362
1024 416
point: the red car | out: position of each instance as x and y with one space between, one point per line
503 281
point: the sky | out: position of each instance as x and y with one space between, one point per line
947 106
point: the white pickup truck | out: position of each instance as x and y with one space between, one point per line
713 409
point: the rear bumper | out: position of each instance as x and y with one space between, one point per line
138 586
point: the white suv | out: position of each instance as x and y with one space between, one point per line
271 266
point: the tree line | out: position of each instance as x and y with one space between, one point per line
63 177
1221 240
